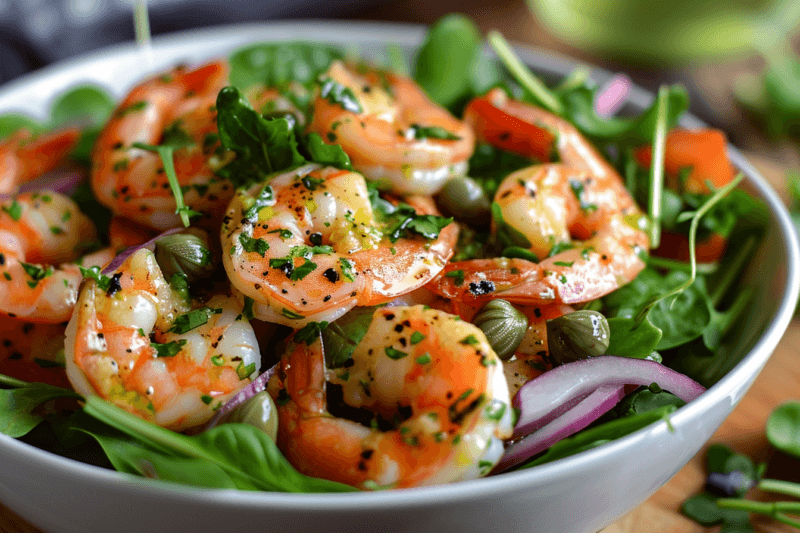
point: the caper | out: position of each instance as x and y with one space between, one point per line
577 335
465 199
503 325
185 253
259 411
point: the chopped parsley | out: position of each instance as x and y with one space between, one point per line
14 210
336 93
193 319
430 132
170 349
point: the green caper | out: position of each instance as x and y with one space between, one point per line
465 199
259 411
503 325
577 335
185 253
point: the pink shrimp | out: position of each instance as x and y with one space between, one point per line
434 374
391 130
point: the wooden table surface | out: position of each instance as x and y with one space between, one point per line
779 381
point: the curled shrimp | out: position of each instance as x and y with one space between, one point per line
129 344
391 130
177 106
307 247
544 207
41 234
25 157
433 375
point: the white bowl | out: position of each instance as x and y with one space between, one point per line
583 493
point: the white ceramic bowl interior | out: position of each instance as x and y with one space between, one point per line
579 494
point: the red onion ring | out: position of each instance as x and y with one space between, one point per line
541 397
259 384
589 409
65 182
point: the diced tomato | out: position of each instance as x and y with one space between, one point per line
676 246
510 125
704 151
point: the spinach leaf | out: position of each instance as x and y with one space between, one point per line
489 166
681 318
246 454
17 405
278 64
628 339
450 66
783 428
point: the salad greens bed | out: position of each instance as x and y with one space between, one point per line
676 312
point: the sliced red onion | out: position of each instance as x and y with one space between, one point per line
541 397
127 252
65 182
592 407
259 384
611 97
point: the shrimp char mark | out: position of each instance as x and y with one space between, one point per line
310 245
393 133
570 231
436 379
176 108
136 340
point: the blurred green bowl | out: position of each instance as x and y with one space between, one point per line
673 31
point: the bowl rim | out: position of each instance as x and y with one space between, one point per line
411 35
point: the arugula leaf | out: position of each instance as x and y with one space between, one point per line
263 146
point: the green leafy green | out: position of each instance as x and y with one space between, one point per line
262 146
783 428
279 64
235 455
17 406
465 73
629 339
326 154
341 337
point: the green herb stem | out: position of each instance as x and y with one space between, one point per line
672 264
786 488
141 23
657 166
523 74
776 510
166 153
13 383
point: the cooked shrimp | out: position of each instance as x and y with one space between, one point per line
547 206
129 345
32 352
390 129
434 376
124 233
37 231
308 247
25 157
178 105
